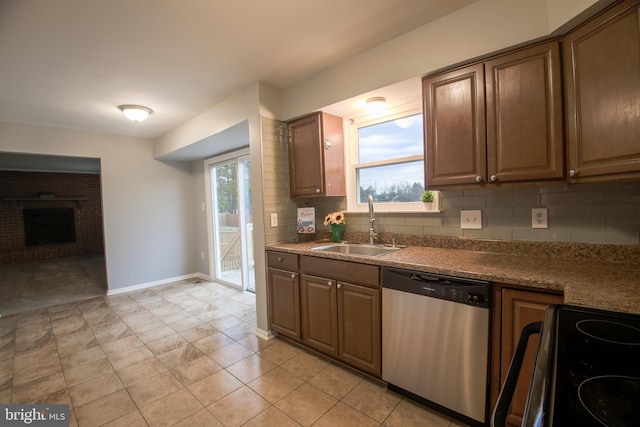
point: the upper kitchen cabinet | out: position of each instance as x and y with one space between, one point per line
499 121
524 115
455 127
602 73
316 156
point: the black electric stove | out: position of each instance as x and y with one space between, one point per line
587 370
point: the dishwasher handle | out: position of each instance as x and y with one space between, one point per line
424 277
499 417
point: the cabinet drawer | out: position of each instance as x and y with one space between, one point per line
352 272
282 260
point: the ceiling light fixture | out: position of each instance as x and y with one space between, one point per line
376 106
135 113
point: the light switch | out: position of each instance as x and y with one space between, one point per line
471 219
274 219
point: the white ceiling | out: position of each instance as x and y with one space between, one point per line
70 63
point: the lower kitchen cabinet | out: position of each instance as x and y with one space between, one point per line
359 326
319 308
284 293
284 302
513 310
342 320
339 316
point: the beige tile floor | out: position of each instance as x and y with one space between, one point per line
38 284
183 354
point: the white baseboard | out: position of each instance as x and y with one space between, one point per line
156 283
205 277
265 335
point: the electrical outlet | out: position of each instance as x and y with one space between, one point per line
539 218
202 255
274 219
471 219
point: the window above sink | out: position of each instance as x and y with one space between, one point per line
385 159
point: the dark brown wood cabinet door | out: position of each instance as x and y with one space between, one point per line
306 157
284 302
519 308
525 139
316 156
333 147
359 327
602 73
318 308
455 130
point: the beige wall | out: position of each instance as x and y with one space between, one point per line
147 204
480 28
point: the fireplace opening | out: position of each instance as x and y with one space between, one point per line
48 226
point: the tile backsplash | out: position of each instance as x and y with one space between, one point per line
602 213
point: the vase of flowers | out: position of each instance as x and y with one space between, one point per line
336 221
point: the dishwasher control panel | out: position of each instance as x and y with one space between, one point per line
470 297
456 289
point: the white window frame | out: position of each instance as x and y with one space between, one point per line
351 155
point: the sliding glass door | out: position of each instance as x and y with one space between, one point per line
233 223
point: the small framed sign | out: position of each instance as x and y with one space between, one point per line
306 220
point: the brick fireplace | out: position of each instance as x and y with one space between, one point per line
46 195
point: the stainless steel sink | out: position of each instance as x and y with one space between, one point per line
356 249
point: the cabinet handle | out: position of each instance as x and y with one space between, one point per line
293 275
573 172
493 178
318 190
330 283
478 178
327 144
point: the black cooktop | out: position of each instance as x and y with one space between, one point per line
593 376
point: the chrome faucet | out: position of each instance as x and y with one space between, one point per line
372 220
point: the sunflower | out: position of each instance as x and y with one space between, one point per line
335 218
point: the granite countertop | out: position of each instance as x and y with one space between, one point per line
586 282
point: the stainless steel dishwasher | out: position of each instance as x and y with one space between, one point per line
435 341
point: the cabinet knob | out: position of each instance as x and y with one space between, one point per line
279 259
293 275
330 283
493 178
478 178
318 190
327 144
573 172
339 285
